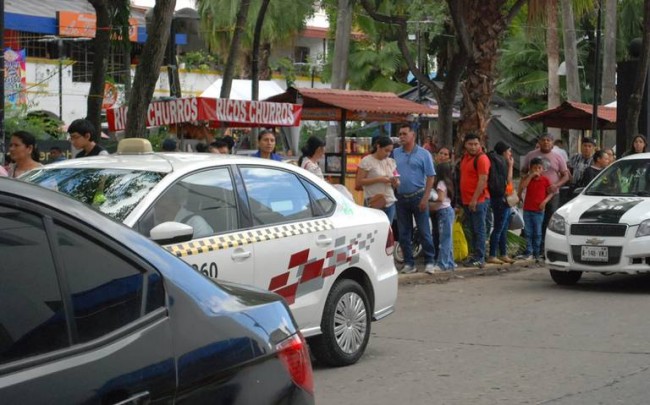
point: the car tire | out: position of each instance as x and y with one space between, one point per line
565 277
345 327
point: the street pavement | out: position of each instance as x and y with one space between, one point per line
503 335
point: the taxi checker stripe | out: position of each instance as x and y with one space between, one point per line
246 237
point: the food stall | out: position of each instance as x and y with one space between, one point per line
350 105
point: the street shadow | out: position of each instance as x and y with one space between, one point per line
615 283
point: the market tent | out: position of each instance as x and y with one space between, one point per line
241 89
351 105
574 115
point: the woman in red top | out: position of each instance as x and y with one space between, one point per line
537 196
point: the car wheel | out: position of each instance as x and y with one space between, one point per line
565 277
345 326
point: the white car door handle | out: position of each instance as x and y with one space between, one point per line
240 254
323 240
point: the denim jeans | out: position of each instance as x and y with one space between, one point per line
533 223
477 221
407 210
390 212
498 239
445 221
435 233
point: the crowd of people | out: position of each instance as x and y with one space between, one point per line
425 188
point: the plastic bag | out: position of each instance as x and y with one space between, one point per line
516 219
461 250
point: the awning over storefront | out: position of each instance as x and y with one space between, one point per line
216 111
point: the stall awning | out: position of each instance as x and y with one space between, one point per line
328 105
216 111
573 115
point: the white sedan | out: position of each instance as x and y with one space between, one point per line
253 221
605 229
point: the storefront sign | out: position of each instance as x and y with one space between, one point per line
73 24
226 112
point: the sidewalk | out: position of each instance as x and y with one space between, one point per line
462 272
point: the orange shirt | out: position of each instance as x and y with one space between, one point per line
469 177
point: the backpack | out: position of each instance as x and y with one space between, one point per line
495 182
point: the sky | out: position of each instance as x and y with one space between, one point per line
179 3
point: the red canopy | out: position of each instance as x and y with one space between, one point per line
218 111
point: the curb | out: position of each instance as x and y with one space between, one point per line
464 272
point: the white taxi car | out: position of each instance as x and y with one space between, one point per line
606 228
252 221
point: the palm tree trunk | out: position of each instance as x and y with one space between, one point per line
148 71
342 44
553 60
571 62
609 53
257 34
235 45
634 103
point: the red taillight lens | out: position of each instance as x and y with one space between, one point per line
295 356
390 242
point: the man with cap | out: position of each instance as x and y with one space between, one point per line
555 169
579 162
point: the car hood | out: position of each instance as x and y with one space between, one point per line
607 210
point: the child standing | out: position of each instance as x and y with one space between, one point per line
537 196
444 186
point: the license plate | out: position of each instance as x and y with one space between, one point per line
594 253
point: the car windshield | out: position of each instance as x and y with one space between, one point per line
623 178
115 192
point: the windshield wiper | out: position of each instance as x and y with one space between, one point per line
642 193
596 192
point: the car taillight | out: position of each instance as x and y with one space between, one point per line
294 354
390 242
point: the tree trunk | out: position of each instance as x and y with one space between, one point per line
553 60
101 44
609 53
148 71
235 45
257 34
342 44
634 103
571 63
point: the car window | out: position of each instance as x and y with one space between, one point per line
204 200
115 192
322 201
625 177
32 319
106 290
275 195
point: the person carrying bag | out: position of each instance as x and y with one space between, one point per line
377 176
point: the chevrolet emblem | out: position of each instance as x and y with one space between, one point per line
595 241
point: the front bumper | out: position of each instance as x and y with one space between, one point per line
627 254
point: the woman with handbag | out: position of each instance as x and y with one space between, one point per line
377 176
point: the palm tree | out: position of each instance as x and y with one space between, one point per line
284 20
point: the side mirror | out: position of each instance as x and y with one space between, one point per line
578 190
171 232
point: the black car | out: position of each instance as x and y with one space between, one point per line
92 312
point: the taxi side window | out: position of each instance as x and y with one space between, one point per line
275 196
32 319
204 200
323 203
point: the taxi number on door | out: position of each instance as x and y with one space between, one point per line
207 269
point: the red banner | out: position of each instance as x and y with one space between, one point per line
218 111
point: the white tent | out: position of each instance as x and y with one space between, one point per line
241 89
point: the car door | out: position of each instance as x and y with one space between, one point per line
80 315
293 256
208 203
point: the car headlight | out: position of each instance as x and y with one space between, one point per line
557 224
644 228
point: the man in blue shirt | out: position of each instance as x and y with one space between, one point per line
415 167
